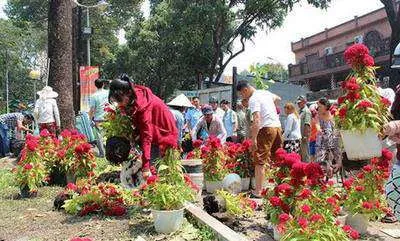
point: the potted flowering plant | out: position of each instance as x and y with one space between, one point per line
237 205
302 201
362 111
243 163
117 122
30 171
214 164
365 199
105 198
167 193
193 164
76 156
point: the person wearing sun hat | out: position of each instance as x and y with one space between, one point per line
210 125
46 110
177 106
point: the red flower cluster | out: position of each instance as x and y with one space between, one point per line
358 56
81 239
351 232
364 104
351 84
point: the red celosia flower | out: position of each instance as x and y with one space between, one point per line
341 99
197 143
347 228
342 112
61 153
275 201
352 84
152 179
367 168
313 171
357 56
331 200
32 144
360 188
347 183
264 192
291 158
305 209
283 188
284 217
71 186
297 171
386 154
303 223
360 175
116 210
354 234
305 193
44 133
353 96
28 166
316 217
364 104
367 205
368 60
385 102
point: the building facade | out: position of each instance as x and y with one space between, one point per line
320 63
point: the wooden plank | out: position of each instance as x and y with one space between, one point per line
223 232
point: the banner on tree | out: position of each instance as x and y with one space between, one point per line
87 74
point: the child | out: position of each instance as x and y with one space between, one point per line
119 151
392 129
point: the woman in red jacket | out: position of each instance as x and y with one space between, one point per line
150 115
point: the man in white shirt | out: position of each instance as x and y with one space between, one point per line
218 112
266 132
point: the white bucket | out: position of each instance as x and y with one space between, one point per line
167 221
197 178
212 186
361 146
245 183
359 222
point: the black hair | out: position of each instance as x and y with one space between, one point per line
29 116
117 149
224 102
99 83
242 84
120 87
195 97
325 102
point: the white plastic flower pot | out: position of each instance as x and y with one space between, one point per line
212 186
232 183
245 184
167 221
197 178
192 165
277 235
253 183
361 146
358 221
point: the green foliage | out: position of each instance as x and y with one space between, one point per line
267 74
7 179
168 191
236 205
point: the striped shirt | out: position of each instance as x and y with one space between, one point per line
11 119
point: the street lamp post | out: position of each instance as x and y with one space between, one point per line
88 30
35 76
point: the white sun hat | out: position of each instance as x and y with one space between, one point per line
47 93
180 101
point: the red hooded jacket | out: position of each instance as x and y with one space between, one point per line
154 121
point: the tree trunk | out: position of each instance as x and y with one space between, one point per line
60 54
